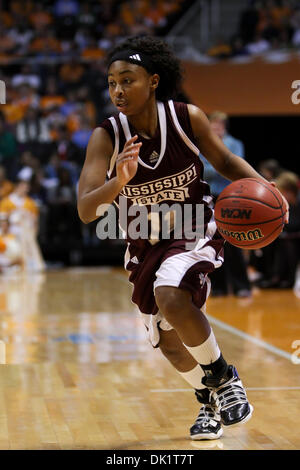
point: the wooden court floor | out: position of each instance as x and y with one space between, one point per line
79 373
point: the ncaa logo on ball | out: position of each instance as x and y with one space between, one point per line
236 213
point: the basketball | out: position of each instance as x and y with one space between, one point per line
250 213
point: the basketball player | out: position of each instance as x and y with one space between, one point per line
149 152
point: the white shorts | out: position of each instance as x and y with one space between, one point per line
174 271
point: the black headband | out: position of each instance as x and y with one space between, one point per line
138 58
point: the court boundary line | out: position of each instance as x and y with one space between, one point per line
235 331
241 334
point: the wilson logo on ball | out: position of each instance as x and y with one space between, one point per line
236 213
249 213
250 235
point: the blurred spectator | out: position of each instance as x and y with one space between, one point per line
263 25
277 263
87 18
6 186
133 16
8 44
63 223
8 146
53 167
26 77
18 100
221 50
219 124
66 12
38 192
22 35
96 82
20 8
33 133
129 10
5 18
29 164
23 97
71 110
295 24
52 98
266 28
24 219
82 38
155 15
72 74
238 48
81 136
279 21
258 46
32 128
27 96
92 51
46 44
88 109
232 275
66 8
262 260
40 18
249 21
11 256
19 206
111 33
269 169
55 119
65 149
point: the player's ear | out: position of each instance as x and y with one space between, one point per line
154 81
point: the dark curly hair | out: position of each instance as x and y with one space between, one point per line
165 63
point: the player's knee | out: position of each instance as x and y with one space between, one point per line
170 303
172 353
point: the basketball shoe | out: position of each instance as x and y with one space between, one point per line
208 422
230 397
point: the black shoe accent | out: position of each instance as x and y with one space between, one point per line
203 395
236 414
215 373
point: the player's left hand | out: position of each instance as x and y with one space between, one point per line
286 204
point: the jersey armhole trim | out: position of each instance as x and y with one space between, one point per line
116 149
180 131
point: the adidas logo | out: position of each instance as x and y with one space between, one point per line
135 260
153 157
136 57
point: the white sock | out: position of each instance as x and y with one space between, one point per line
194 377
207 352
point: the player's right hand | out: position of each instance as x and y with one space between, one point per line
127 161
286 204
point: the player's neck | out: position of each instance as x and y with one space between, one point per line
146 122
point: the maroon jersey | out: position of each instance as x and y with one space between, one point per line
169 171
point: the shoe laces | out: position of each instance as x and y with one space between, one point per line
208 415
230 393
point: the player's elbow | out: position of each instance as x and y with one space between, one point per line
83 214
85 220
